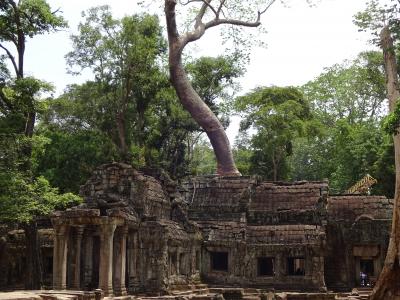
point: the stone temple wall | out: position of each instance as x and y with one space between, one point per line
136 227
13 262
119 185
137 233
260 229
283 203
358 230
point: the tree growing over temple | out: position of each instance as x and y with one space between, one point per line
384 24
208 14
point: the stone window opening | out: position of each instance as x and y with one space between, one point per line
265 266
296 266
219 261
367 266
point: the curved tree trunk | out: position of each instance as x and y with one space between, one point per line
388 285
191 101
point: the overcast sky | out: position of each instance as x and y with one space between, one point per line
301 40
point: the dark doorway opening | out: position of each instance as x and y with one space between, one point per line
265 266
219 261
96 263
296 266
367 266
197 260
173 263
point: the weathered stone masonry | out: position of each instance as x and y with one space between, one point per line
264 228
137 233
124 235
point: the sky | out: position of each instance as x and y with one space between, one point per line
301 41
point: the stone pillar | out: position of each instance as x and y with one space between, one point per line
120 263
178 263
60 257
132 262
106 259
88 261
77 259
280 267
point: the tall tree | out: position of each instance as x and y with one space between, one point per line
20 20
348 101
208 15
123 55
353 90
388 286
277 115
384 24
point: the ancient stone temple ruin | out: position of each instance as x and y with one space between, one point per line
138 232
130 235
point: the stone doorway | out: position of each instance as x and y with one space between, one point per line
367 266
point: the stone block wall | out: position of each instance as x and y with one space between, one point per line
282 203
218 198
12 258
223 231
355 224
119 185
351 207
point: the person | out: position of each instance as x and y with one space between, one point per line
363 278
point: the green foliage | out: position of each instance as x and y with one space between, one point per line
242 153
68 159
347 102
384 169
22 201
21 198
214 81
354 90
21 96
36 17
376 16
203 160
130 99
392 121
278 115
124 56
356 150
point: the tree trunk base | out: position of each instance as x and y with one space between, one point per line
388 285
234 173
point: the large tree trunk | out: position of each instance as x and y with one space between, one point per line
33 275
192 102
123 147
388 285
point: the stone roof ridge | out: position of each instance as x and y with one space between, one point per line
294 183
344 196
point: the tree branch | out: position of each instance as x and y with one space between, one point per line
200 27
220 7
172 28
200 15
206 4
11 57
266 8
217 22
